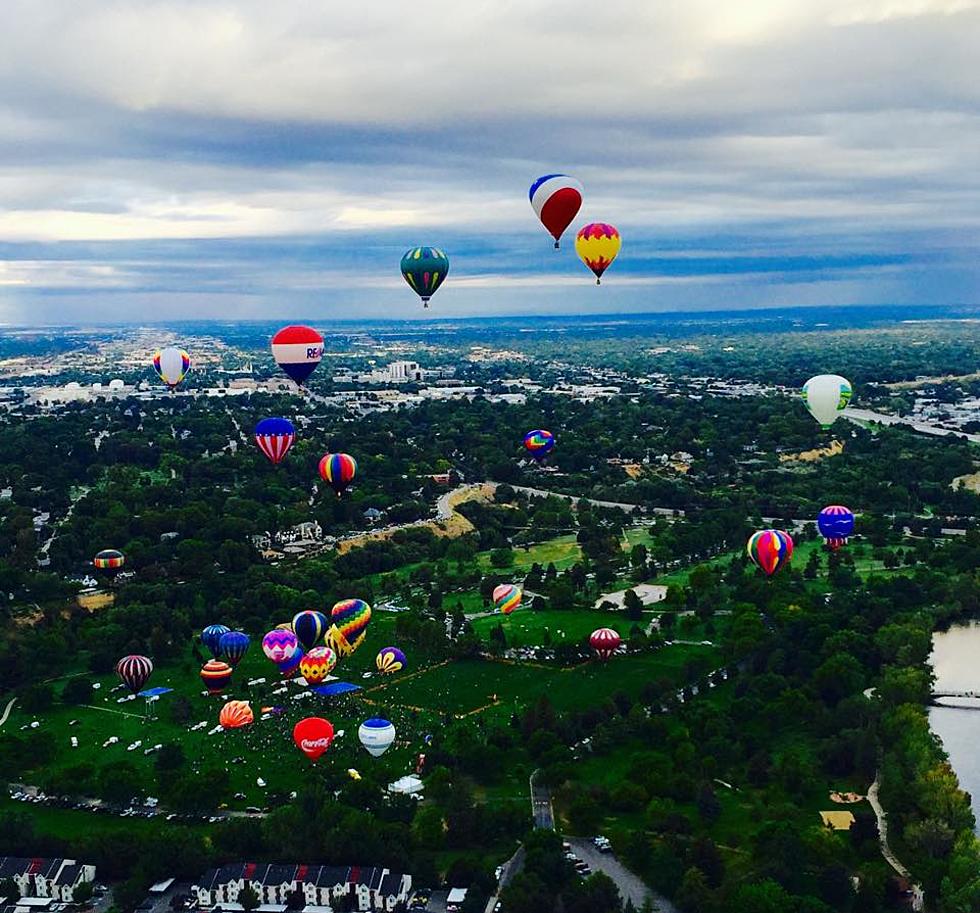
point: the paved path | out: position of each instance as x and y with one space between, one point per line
7 709
541 805
630 886
509 869
861 416
616 505
886 851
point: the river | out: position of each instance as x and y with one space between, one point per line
956 660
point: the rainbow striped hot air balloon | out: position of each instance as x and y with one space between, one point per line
110 560
133 671
297 350
350 619
770 549
338 471
390 659
597 245
309 626
275 436
216 675
507 597
835 523
171 364
539 443
236 714
425 269
556 200
317 665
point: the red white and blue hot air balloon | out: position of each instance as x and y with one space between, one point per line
770 549
297 350
556 200
835 523
275 436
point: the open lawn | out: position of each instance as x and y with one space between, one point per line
525 628
564 551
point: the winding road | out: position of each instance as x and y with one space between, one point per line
7 709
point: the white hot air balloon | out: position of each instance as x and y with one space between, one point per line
376 735
826 396
171 364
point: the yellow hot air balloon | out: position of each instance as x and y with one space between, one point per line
597 245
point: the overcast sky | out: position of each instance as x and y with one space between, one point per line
164 159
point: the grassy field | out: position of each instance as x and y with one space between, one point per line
564 551
526 628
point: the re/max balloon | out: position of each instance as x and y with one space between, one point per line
297 350
313 736
556 200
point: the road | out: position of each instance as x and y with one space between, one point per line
886 851
616 505
7 709
541 805
509 869
630 886
859 416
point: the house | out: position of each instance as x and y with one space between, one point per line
373 888
51 878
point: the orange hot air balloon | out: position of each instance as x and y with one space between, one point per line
597 245
236 714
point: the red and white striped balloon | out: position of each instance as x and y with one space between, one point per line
605 642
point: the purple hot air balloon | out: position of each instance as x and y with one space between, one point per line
280 645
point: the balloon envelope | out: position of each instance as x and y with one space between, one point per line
826 396
390 659
236 714
133 671
171 364
556 200
350 619
338 470
109 559
539 443
507 597
211 638
313 736
275 436
279 645
297 350
309 626
605 642
316 665
425 269
233 646
216 675
835 523
376 735
770 549
597 245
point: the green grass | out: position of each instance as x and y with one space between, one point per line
525 628
563 551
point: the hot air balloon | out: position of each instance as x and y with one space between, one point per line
390 659
425 269
171 364
297 350
376 736
211 638
317 665
539 443
835 523
507 597
338 471
313 736
770 549
216 675
236 714
349 619
597 245
605 642
290 666
110 561
309 627
279 646
275 436
556 200
233 646
826 396
133 671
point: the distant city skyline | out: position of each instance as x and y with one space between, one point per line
170 160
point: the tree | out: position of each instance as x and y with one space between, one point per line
76 691
248 898
633 605
502 557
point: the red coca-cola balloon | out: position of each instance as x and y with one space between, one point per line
313 736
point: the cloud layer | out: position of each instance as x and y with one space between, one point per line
247 158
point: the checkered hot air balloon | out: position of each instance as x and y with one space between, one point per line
338 471
171 364
211 638
297 350
390 659
133 671
539 443
835 523
425 269
236 714
349 619
309 627
605 642
556 200
216 675
275 436
770 549
597 245
507 597
317 665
